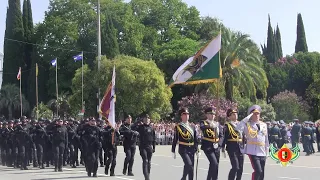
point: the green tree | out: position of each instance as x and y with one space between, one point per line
13 50
10 101
140 86
278 79
301 43
278 43
28 48
62 104
271 56
110 41
242 65
209 27
43 112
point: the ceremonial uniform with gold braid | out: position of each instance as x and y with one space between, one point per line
186 137
234 142
211 143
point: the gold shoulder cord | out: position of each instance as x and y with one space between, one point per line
252 133
232 132
186 135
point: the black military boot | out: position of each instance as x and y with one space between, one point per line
130 173
106 170
94 174
112 172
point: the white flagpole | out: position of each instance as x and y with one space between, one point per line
82 103
57 105
20 93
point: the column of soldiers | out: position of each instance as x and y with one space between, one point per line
58 143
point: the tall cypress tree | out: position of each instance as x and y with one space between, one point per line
110 40
271 58
279 44
28 48
276 48
13 49
301 43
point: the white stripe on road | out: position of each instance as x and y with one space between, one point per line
288 178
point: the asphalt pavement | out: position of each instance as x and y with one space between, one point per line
164 167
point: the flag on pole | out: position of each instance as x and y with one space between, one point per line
37 71
54 62
203 67
78 57
107 105
19 74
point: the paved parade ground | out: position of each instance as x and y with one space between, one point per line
164 167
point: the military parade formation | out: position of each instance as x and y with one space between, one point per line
91 142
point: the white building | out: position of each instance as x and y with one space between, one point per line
1 68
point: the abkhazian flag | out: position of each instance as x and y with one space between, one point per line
78 57
107 105
203 67
19 74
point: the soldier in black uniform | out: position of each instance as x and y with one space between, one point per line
22 139
100 124
234 141
40 137
147 144
91 145
109 142
318 136
9 148
73 143
186 137
129 144
59 142
211 142
284 135
275 134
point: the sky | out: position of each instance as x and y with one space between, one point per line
247 16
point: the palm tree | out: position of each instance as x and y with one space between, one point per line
10 99
241 63
62 104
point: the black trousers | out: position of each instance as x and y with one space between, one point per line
91 159
129 160
318 143
188 160
258 163
146 154
236 159
101 157
111 158
40 151
72 155
213 156
58 151
22 155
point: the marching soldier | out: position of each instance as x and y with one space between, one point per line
74 142
307 138
59 143
40 137
129 144
234 141
211 142
313 136
257 144
275 134
283 132
147 144
91 145
109 142
295 133
186 137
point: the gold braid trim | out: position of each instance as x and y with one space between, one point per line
252 133
186 135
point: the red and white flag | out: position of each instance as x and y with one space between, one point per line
19 74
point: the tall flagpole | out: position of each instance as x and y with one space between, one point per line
57 105
20 93
37 71
99 51
82 104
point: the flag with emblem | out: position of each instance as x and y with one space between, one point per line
107 105
203 67
19 74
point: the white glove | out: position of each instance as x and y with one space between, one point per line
198 154
174 155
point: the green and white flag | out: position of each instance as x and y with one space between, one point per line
203 67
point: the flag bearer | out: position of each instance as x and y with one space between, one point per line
234 141
186 137
257 143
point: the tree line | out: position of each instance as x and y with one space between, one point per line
148 40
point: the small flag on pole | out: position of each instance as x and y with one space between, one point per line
19 74
54 62
78 57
